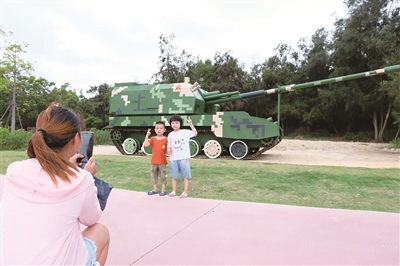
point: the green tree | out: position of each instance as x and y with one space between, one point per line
280 70
173 68
314 65
392 89
4 91
34 97
96 109
228 75
5 98
367 39
203 73
64 96
13 67
258 106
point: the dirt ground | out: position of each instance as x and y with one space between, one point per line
349 154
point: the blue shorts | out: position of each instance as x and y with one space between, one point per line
180 167
92 248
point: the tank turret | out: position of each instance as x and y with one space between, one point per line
135 108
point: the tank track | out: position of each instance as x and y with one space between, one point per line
263 149
274 142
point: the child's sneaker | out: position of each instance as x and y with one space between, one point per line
163 193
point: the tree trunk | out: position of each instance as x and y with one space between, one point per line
381 130
334 128
375 123
13 107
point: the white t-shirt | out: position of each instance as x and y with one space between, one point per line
179 142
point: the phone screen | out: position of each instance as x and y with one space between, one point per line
86 148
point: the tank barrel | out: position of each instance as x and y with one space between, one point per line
226 97
385 70
209 93
221 95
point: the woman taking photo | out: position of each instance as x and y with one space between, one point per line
47 197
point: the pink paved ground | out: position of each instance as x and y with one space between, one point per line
154 230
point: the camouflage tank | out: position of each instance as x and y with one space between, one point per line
135 108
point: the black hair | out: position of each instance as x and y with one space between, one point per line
160 123
176 118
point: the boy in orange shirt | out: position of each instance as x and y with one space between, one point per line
158 157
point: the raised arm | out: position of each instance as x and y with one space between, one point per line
194 130
146 142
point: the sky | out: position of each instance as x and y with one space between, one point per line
90 42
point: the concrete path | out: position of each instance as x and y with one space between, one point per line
154 230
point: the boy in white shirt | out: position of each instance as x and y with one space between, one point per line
179 153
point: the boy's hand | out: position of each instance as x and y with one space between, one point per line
148 132
191 126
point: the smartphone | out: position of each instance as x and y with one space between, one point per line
86 148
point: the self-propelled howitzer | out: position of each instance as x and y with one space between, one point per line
135 108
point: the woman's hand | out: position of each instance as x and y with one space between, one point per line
91 166
75 157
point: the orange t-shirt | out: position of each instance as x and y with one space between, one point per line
159 149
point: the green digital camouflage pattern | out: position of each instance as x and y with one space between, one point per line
135 108
233 125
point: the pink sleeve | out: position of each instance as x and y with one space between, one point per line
2 178
91 211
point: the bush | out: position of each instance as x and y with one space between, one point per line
395 143
101 137
18 140
359 136
364 137
389 135
3 134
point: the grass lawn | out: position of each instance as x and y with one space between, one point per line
242 180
